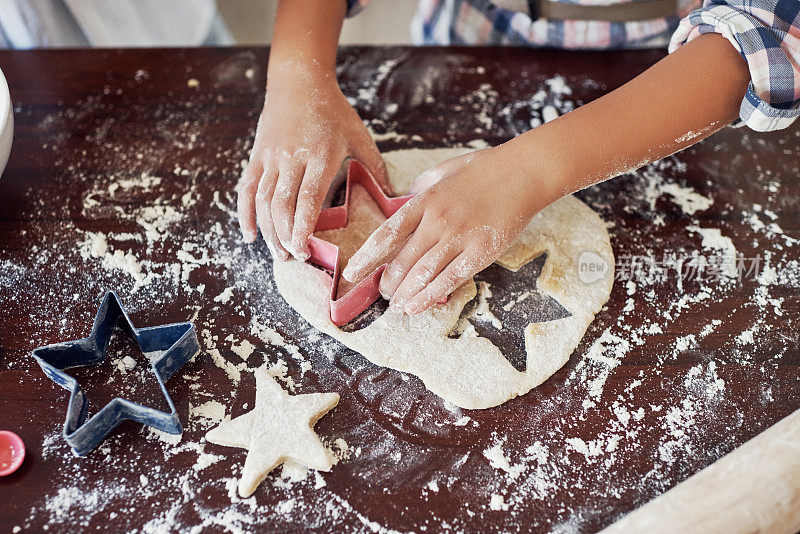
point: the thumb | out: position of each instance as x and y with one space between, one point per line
365 151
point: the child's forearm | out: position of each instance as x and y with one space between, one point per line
305 130
680 100
436 241
307 34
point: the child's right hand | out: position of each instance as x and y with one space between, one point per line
305 131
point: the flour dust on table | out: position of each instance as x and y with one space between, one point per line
454 362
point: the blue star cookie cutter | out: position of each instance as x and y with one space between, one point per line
178 344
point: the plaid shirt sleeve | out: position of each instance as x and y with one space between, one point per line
354 7
767 35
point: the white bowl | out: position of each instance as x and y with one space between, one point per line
6 123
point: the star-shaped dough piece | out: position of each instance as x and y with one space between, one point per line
279 429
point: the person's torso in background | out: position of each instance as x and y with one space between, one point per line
508 22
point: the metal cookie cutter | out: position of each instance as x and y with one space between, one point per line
177 341
325 254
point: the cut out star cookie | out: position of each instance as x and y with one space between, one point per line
279 429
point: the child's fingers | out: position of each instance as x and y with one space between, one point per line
284 200
455 274
384 241
246 199
319 174
424 272
266 187
418 244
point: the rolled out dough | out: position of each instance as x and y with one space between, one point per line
468 371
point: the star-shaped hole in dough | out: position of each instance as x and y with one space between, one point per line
506 303
277 430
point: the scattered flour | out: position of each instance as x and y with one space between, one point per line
714 240
243 349
225 296
209 413
498 460
497 502
687 198
147 260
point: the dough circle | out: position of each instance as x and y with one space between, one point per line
470 371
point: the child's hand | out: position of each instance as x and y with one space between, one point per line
304 133
474 209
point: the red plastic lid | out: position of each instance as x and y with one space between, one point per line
12 452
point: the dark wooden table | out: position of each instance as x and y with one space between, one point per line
139 151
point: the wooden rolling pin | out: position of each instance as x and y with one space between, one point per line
755 488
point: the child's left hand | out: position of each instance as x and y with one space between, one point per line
476 206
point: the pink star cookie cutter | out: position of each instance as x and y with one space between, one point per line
344 308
